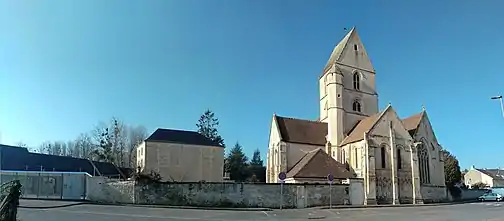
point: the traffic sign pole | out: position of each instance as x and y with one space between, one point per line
330 178
281 177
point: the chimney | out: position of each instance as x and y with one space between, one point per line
472 167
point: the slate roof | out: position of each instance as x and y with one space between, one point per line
496 174
302 131
363 126
411 123
318 164
18 158
181 137
338 50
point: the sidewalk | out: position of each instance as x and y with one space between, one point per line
397 205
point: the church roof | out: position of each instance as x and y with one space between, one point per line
318 164
411 123
338 50
363 126
302 131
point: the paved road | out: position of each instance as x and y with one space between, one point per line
86 212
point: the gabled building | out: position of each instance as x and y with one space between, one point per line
181 156
493 178
394 156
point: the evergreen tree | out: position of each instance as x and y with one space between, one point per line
207 126
257 170
237 163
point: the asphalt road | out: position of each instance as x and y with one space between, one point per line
86 212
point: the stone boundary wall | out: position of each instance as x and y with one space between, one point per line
218 194
437 194
471 194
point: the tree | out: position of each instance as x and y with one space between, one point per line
136 136
452 169
105 152
479 185
256 168
237 163
207 126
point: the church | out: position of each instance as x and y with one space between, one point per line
352 138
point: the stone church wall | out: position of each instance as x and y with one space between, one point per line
220 194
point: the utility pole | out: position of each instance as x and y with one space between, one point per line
501 103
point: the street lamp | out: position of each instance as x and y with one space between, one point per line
501 103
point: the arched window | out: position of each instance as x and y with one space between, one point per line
383 157
356 159
423 164
356 81
356 106
399 160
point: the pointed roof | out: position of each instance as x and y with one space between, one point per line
301 131
318 164
411 123
364 125
338 50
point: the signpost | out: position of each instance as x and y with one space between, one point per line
330 178
281 177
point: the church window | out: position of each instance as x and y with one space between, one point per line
423 164
356 81
355 47
399 160
356 159
356 106
383 157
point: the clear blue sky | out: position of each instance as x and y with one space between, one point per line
66 65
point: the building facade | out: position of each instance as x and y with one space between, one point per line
493 178
181 156
393 156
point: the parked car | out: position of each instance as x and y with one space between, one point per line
490 197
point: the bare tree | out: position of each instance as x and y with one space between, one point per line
136 136
83 146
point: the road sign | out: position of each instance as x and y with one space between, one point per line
330 177
282 176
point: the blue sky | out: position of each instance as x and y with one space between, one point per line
67 65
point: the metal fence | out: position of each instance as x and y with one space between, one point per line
49 185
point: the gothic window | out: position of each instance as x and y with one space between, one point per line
399 160
356 159
423 164
356 81
356 106
383 157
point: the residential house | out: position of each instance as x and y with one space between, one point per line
181 156
493 178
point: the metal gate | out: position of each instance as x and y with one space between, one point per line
74 187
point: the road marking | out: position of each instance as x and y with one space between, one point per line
265 213
138 215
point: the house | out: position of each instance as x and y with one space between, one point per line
14 158
493 178
181 156
394 156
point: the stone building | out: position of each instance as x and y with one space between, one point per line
395 157
181 156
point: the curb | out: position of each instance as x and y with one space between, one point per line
51 207
399 205
183 207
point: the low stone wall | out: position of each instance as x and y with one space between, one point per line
219 194
437 194
103 190
434 194
471 194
